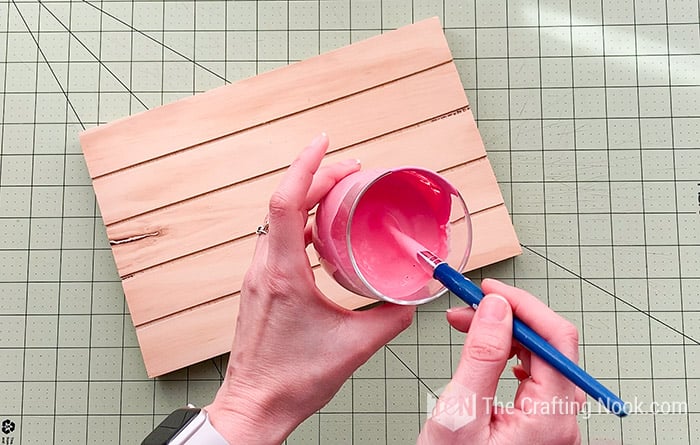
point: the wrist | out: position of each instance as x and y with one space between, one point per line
244 416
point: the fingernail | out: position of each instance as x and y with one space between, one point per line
520 373
317 140
458 309
493 308
351 162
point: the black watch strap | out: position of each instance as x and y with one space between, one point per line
171 426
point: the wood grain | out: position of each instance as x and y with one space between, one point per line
493 238
207 330
261 99
230 213
182 187
349 121
215 272
188 337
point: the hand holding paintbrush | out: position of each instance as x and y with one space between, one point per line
472 295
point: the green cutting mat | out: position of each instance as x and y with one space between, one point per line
589 111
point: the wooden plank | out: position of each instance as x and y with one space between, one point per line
221 216
188 337
477 184
188 281
493 238
195 279
207 276
247 103
207 331
189 173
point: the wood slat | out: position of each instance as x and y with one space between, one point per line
477 184
183 186
264 149
230 213
493 238
189 281
213 273
207 330
266 97
188 337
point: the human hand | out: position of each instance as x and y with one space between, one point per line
546 403
294 348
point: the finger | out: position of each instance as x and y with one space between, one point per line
453 419
525 358
532 311
559 332
323 182
287 214
260 252
516 349
486 350
326 178
435 433
580 397
460 318
373 328
308 232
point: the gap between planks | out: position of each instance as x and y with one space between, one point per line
272 121
207 275
293 88
207 330
227 162
234 212
217 225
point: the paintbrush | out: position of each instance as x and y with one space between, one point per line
471 294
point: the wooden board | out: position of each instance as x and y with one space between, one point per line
182 187
192 330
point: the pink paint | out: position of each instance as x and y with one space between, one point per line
353 232
419 210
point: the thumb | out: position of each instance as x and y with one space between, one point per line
486 350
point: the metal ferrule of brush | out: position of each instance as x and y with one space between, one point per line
429 258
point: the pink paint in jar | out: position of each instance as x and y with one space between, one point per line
358 251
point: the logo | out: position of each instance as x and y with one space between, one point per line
455 407
8 426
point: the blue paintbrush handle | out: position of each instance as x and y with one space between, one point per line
472 295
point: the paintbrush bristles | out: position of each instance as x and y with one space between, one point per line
421 254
